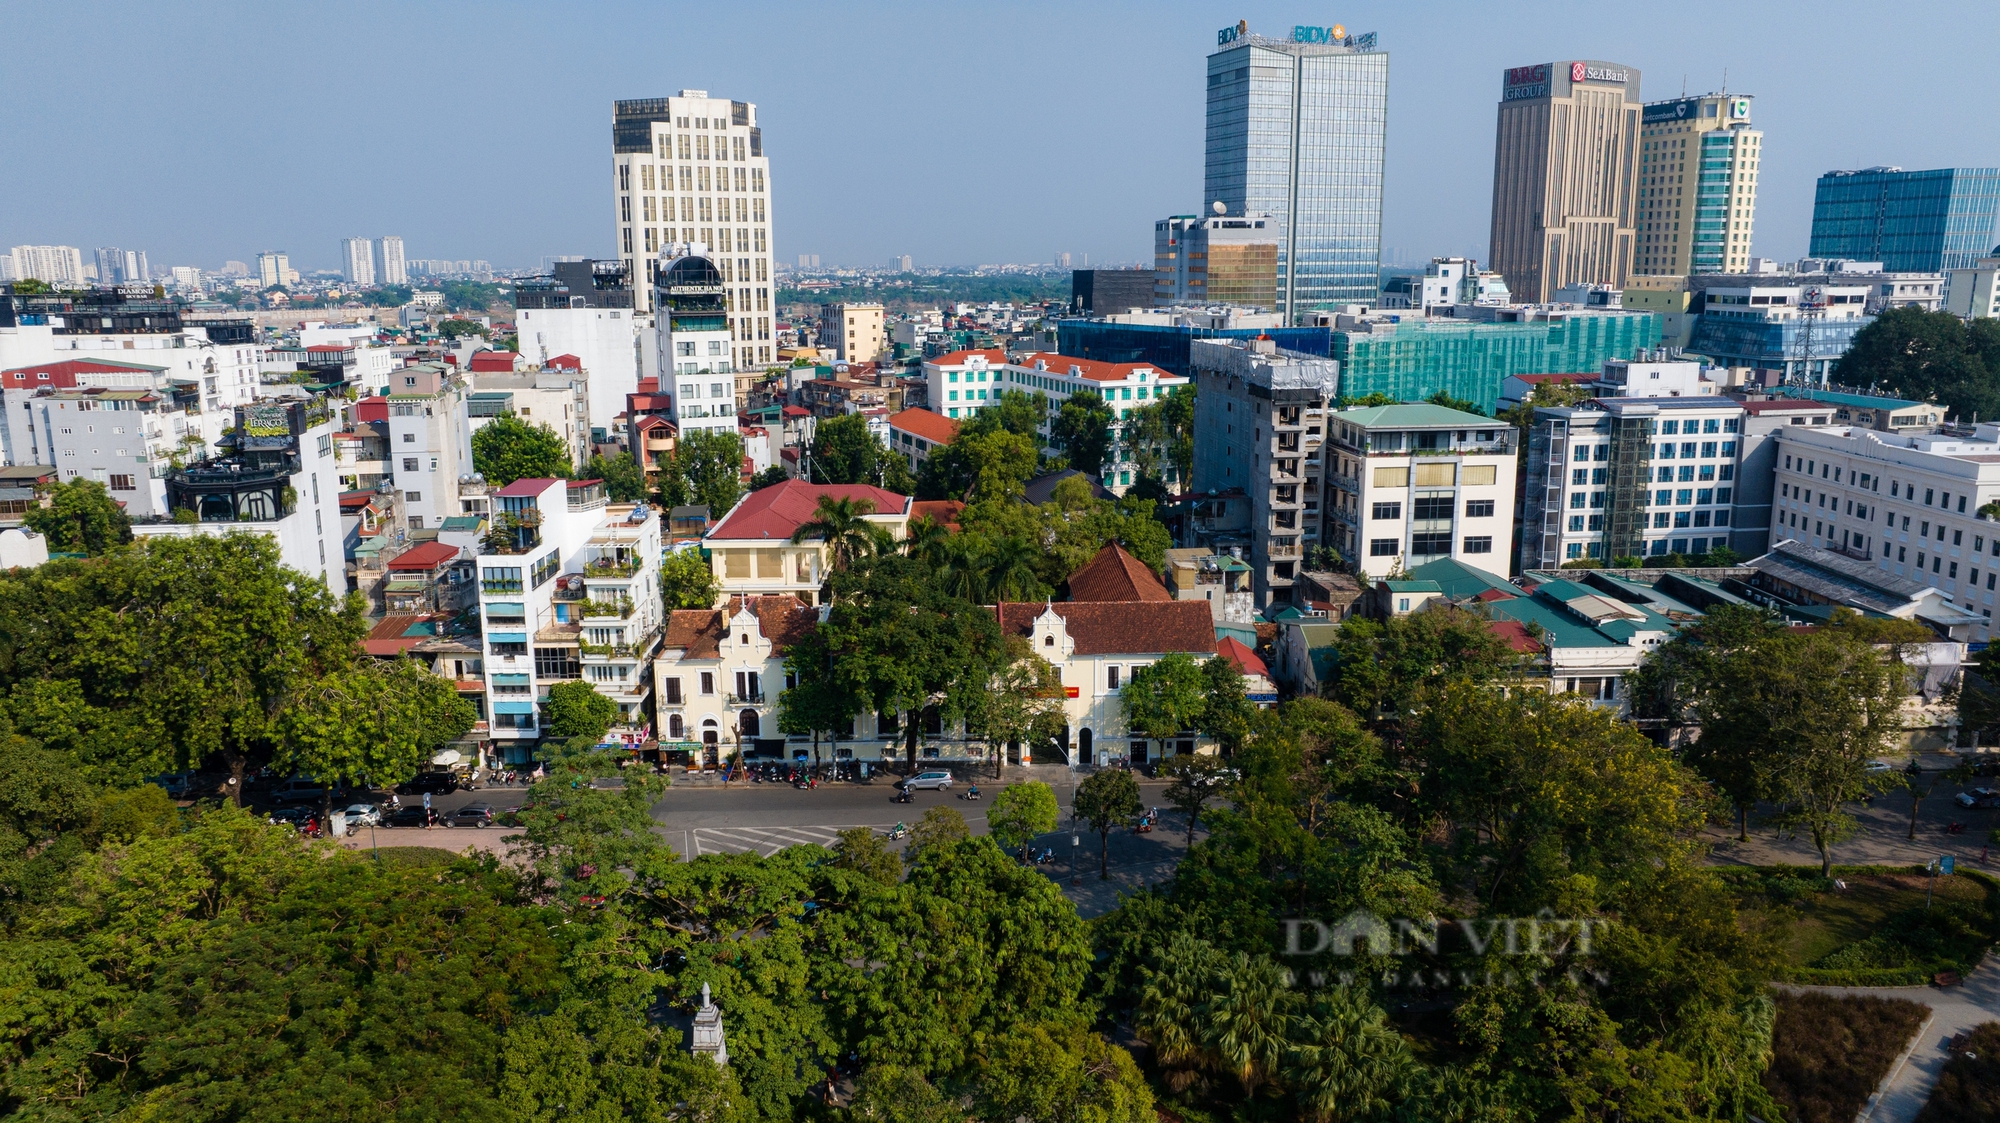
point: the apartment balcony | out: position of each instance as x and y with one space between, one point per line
558 635
569 587
756 699
606 611
610 567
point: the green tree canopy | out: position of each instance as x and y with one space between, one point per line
81 518
1928 356
1379 665
374 723
1165 698
1109 799
577 710
686 580
507 448
842 524
712 464
1020 812
1082 429
624 482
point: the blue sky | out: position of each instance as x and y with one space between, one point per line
958 133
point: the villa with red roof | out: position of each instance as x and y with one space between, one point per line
964 383
915 432
751 548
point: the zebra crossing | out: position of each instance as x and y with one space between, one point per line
758 840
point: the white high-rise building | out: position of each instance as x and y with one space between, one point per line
389 266
357 261
692 169
61 266
273 268
694 339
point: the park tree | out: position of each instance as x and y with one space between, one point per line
1109 799
862 850
372 723
1379 665
1548 787
1165 698
1198 779
769 477
712 464
686 580
81 518
1161 435
624 482
1824 704
1226 711
577 710
1060 1071
177 651
507 448
1020 812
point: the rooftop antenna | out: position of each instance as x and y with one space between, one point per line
1725 79
1684 85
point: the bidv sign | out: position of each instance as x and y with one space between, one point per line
1229 35
1304 34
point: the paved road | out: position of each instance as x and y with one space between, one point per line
1883 838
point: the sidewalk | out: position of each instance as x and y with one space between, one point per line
1957 1009
1883 838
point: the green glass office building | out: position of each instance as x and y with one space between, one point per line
1914 222
1414 359
1296 129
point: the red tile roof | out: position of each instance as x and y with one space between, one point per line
994 357
797 411
422 558
1114 575
1246 660
355 500
62 375
653 421
933 427
649 385
649 401
1516 634
699 631
1090 368
564 362
773 513
944 511
1123 628
531 485
488 361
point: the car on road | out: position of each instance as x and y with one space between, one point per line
363 815
290 816
471 815
429 783
1881 766
937 780
1979 798
413 817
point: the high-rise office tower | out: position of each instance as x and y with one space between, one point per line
1698 160
1911 222
389 266
273 267
1565 158
689 173
357 261
1296 131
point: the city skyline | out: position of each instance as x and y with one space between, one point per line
1130 94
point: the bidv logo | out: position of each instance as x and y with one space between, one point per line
1304 34
1230 34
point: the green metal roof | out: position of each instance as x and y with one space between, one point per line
1413 587
1458 580
1860 401
1414 415
461 522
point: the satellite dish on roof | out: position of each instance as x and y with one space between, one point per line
1220 207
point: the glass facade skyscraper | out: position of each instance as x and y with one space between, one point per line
1296 130
1916 222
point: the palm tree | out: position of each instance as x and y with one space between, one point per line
849 536
1248 1021
1345 1061
1009 566
929 541
960 566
